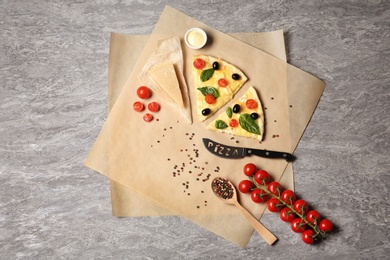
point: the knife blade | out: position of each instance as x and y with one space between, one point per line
232 152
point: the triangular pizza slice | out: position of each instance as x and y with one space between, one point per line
244 118
216 81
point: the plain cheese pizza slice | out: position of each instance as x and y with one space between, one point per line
216 81
244 118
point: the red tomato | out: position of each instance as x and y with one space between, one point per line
222 82
138 106
249 169
144 92
275 188
148 117
288 196
262 177
251 104
210 99
308 236
233 122
301 207
245 186
258 195
325 225
274 205
199 64
313 217
298 225
153 107
287 215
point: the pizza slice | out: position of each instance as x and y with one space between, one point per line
216 81
244 118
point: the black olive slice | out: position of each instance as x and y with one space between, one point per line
206 111
215 65
255 116
236 108
235 76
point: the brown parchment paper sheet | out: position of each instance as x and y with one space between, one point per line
209 215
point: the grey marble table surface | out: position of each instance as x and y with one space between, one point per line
53 101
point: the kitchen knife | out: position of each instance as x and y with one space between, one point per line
231 152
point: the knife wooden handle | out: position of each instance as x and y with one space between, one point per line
260 228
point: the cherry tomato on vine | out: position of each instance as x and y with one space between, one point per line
153 107
287 215
275 188
288 196
251 103
249 169
274 205
258 195
199 64
301 206
325 225
308 236
298 225
313 217
144 92
138 106
222 82
245 186
262 177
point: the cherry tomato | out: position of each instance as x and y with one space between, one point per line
325 225
301 207
288 196
308 236
262 177
144 92
251 104
222 82
313 217
274 205
298 225
245 186
233 122
258 195
153 107
199 64
275 188
210 99
148 117
287 215
138 106
249 169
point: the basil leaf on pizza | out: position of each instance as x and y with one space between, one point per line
249 124
206 74
209 90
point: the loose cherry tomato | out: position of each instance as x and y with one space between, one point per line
325 225
287 215
313 217
288 196
199 64
274 205
222 82
275 188
308 236
245 186
144 92
258 195
233 123
249 169
262 177
153 107
148 117
301 207
138 106
251 104
298 225
210 99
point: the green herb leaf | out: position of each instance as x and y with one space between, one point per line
220 124
229 112
206 74
249 124
209 90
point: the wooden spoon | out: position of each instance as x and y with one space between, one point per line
226 191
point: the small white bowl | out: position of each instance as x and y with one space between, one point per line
195 38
